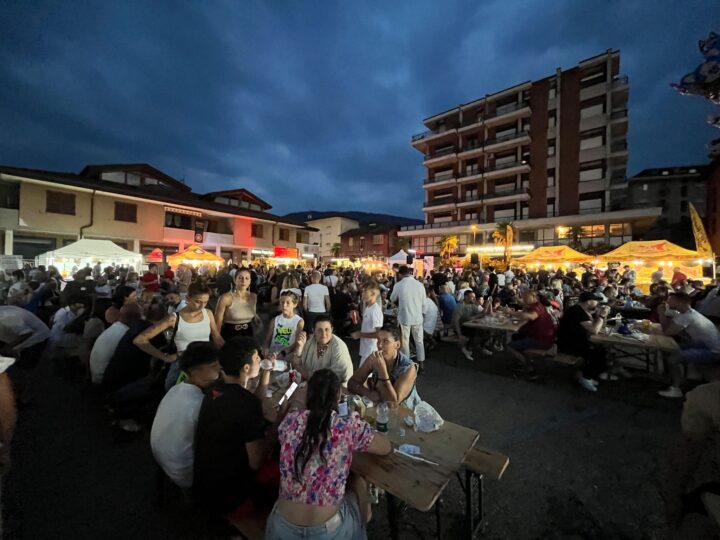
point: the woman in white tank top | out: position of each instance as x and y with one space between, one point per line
194 323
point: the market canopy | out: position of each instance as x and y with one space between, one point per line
95 250
400 257
649 250
554 255
194 254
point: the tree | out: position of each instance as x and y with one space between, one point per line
335 249
575 233
447 246
503 236
403 242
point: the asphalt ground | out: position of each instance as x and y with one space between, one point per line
581 465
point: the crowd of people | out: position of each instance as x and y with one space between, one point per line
179 352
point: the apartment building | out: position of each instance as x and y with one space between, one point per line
329 231
547 155
371 240
139 208
671 189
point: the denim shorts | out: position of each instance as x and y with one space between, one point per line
347 524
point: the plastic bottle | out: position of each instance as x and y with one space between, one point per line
382 418
280 365
343 406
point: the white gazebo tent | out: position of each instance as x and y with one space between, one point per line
400 258
89 252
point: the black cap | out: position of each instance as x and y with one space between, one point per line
587 296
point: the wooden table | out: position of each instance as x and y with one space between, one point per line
491 323
656 344
417 483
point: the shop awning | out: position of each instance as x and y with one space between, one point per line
553 255
649 250
88 249
194 254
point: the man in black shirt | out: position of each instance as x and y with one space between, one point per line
438 279
230 442
573 337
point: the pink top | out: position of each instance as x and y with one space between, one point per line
322 484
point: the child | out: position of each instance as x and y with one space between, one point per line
372 321
282 335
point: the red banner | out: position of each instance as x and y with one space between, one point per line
285 252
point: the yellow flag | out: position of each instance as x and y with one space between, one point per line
702 245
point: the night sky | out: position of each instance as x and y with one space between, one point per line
312 105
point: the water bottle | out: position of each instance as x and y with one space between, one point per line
383 418
343 406
280 365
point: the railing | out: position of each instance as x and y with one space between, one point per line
620 80
508 193
504 166
439 153
443 225
429 133
618 113
508 137
439 178
505 110
619 146
440 202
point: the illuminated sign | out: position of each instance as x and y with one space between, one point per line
285 252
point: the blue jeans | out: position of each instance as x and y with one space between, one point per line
347 524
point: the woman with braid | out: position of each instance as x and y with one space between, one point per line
316 447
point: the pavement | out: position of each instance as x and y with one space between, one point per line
581 465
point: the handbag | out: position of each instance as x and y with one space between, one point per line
171 348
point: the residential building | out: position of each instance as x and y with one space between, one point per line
548 155
139 208
328 233
671 189
371 240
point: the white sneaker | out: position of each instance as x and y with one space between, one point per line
671 392
467 354
485 351
587 385
606 376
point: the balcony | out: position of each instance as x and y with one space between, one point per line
443 225
506 112
502 197
470 176
511 139
620 82
618 114
445 155
513 167
443 180
471 151
431 135
470 200
618 148
439 205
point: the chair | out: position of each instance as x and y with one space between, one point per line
480 463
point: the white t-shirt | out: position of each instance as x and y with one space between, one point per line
16 322
284 332
430 316
500 279
409 293
103 350
315 295
509 275
331 280
173 432
372 319
700 329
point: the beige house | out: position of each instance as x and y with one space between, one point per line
138 207
328 233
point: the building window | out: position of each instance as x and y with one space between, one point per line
551 207
284 235
117 177
552 118
551 177
9 195
298 237
592 110
256 230
126 212
378 239
177 221
551 147
350 241
591 139
59 202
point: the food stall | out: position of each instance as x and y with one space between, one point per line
194 255
554 257
89 252
649 256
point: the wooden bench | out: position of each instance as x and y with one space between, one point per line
552 354
480 463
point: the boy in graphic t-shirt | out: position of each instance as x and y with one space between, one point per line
372 321
282 334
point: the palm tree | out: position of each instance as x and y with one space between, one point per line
575 233
335 249
503 236
447 246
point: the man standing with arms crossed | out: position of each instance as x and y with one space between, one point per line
409 295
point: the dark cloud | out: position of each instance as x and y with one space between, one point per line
313 105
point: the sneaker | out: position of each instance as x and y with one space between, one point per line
606 376
485 351
467 354
587 385
671 392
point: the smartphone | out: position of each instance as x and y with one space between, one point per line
288 394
